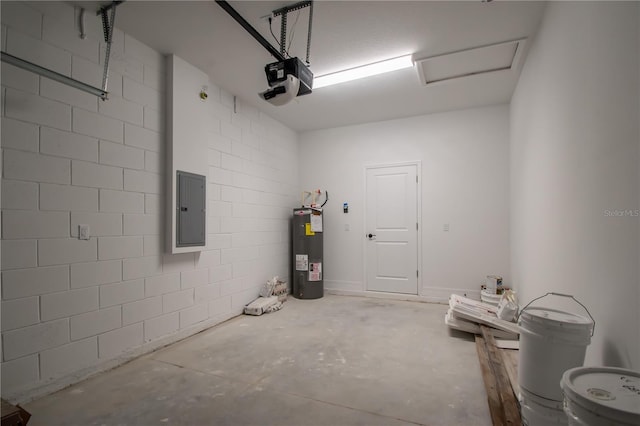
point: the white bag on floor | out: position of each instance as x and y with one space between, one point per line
508 306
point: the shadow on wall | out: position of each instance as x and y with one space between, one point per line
611 355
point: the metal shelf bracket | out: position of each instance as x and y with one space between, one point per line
107 28
61 78
284 11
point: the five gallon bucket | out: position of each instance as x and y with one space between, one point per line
538 411
490 298
601 396
551 342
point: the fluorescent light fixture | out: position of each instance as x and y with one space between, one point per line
363 71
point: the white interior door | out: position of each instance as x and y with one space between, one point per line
391 227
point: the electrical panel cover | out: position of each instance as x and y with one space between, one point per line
191 213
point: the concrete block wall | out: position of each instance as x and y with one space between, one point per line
72 307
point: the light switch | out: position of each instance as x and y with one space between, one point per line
83 232
445 227
347 227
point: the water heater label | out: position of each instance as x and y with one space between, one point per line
302 262
315 271
308 230
316 222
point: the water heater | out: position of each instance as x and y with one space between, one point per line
307 253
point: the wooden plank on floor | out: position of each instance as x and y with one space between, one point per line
510 360
503 385
506 344
490 384
14 415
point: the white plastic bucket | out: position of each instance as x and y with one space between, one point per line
551 342
493 282
538 411
601 396
490 298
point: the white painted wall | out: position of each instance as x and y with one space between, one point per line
71 307
574 157
638 180
464 157
188 133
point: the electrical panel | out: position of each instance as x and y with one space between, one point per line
191 214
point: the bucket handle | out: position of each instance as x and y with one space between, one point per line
561 295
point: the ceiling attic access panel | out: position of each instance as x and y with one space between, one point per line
468 62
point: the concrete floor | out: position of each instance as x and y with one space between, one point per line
338 360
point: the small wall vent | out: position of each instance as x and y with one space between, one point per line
463 63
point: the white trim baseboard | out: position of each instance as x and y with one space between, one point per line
429 295
380 295
343 285
441 294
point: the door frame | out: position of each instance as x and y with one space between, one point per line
418 164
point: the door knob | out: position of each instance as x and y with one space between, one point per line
371 236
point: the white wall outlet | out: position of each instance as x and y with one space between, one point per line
83 232
347 227
445 227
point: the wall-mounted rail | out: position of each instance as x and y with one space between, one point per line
45 72
107 25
